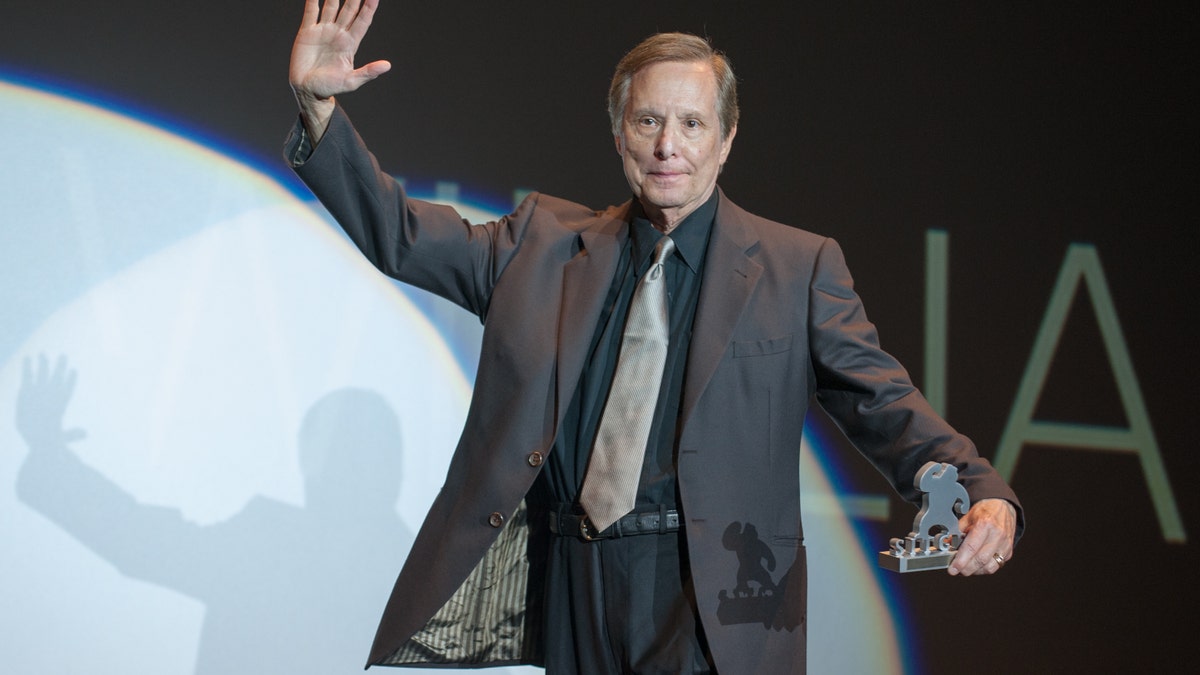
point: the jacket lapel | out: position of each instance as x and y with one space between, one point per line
586 280
730 275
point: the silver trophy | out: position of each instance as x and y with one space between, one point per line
935 536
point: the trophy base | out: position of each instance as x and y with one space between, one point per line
918 562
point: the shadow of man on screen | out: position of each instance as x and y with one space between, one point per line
287 589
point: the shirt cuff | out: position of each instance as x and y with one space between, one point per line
299 146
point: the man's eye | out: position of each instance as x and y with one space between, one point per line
647 121
692 124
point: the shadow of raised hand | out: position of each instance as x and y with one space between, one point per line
42 403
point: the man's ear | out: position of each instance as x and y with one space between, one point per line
727 145
619 140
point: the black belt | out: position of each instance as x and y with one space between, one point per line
567 524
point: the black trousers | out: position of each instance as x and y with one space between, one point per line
625 605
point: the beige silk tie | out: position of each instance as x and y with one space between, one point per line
610 487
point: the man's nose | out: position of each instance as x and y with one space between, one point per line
667 142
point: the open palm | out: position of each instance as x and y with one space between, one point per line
322 63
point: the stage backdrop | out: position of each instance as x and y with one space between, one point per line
220 428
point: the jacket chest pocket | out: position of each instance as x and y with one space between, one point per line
766 393
751 348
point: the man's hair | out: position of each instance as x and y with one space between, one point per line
678 47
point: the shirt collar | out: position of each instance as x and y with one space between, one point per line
690 236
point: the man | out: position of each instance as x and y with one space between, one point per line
535 550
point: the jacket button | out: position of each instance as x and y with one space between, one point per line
535 458
496 519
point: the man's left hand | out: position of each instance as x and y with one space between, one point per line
990 527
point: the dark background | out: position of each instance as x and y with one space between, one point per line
1019 129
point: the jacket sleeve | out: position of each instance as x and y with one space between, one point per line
871 398
427 245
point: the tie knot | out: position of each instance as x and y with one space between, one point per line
663 249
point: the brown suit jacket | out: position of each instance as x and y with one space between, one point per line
778 322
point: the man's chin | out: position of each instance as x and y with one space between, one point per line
661 201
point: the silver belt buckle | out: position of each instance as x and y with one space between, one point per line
586 530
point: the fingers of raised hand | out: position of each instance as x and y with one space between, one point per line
347 15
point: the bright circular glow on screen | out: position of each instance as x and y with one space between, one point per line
267 418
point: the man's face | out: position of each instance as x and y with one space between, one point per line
670 141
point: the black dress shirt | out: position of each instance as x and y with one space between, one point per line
683 269
618 604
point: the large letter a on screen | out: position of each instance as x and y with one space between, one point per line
1083 264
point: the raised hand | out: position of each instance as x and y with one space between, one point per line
322 64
